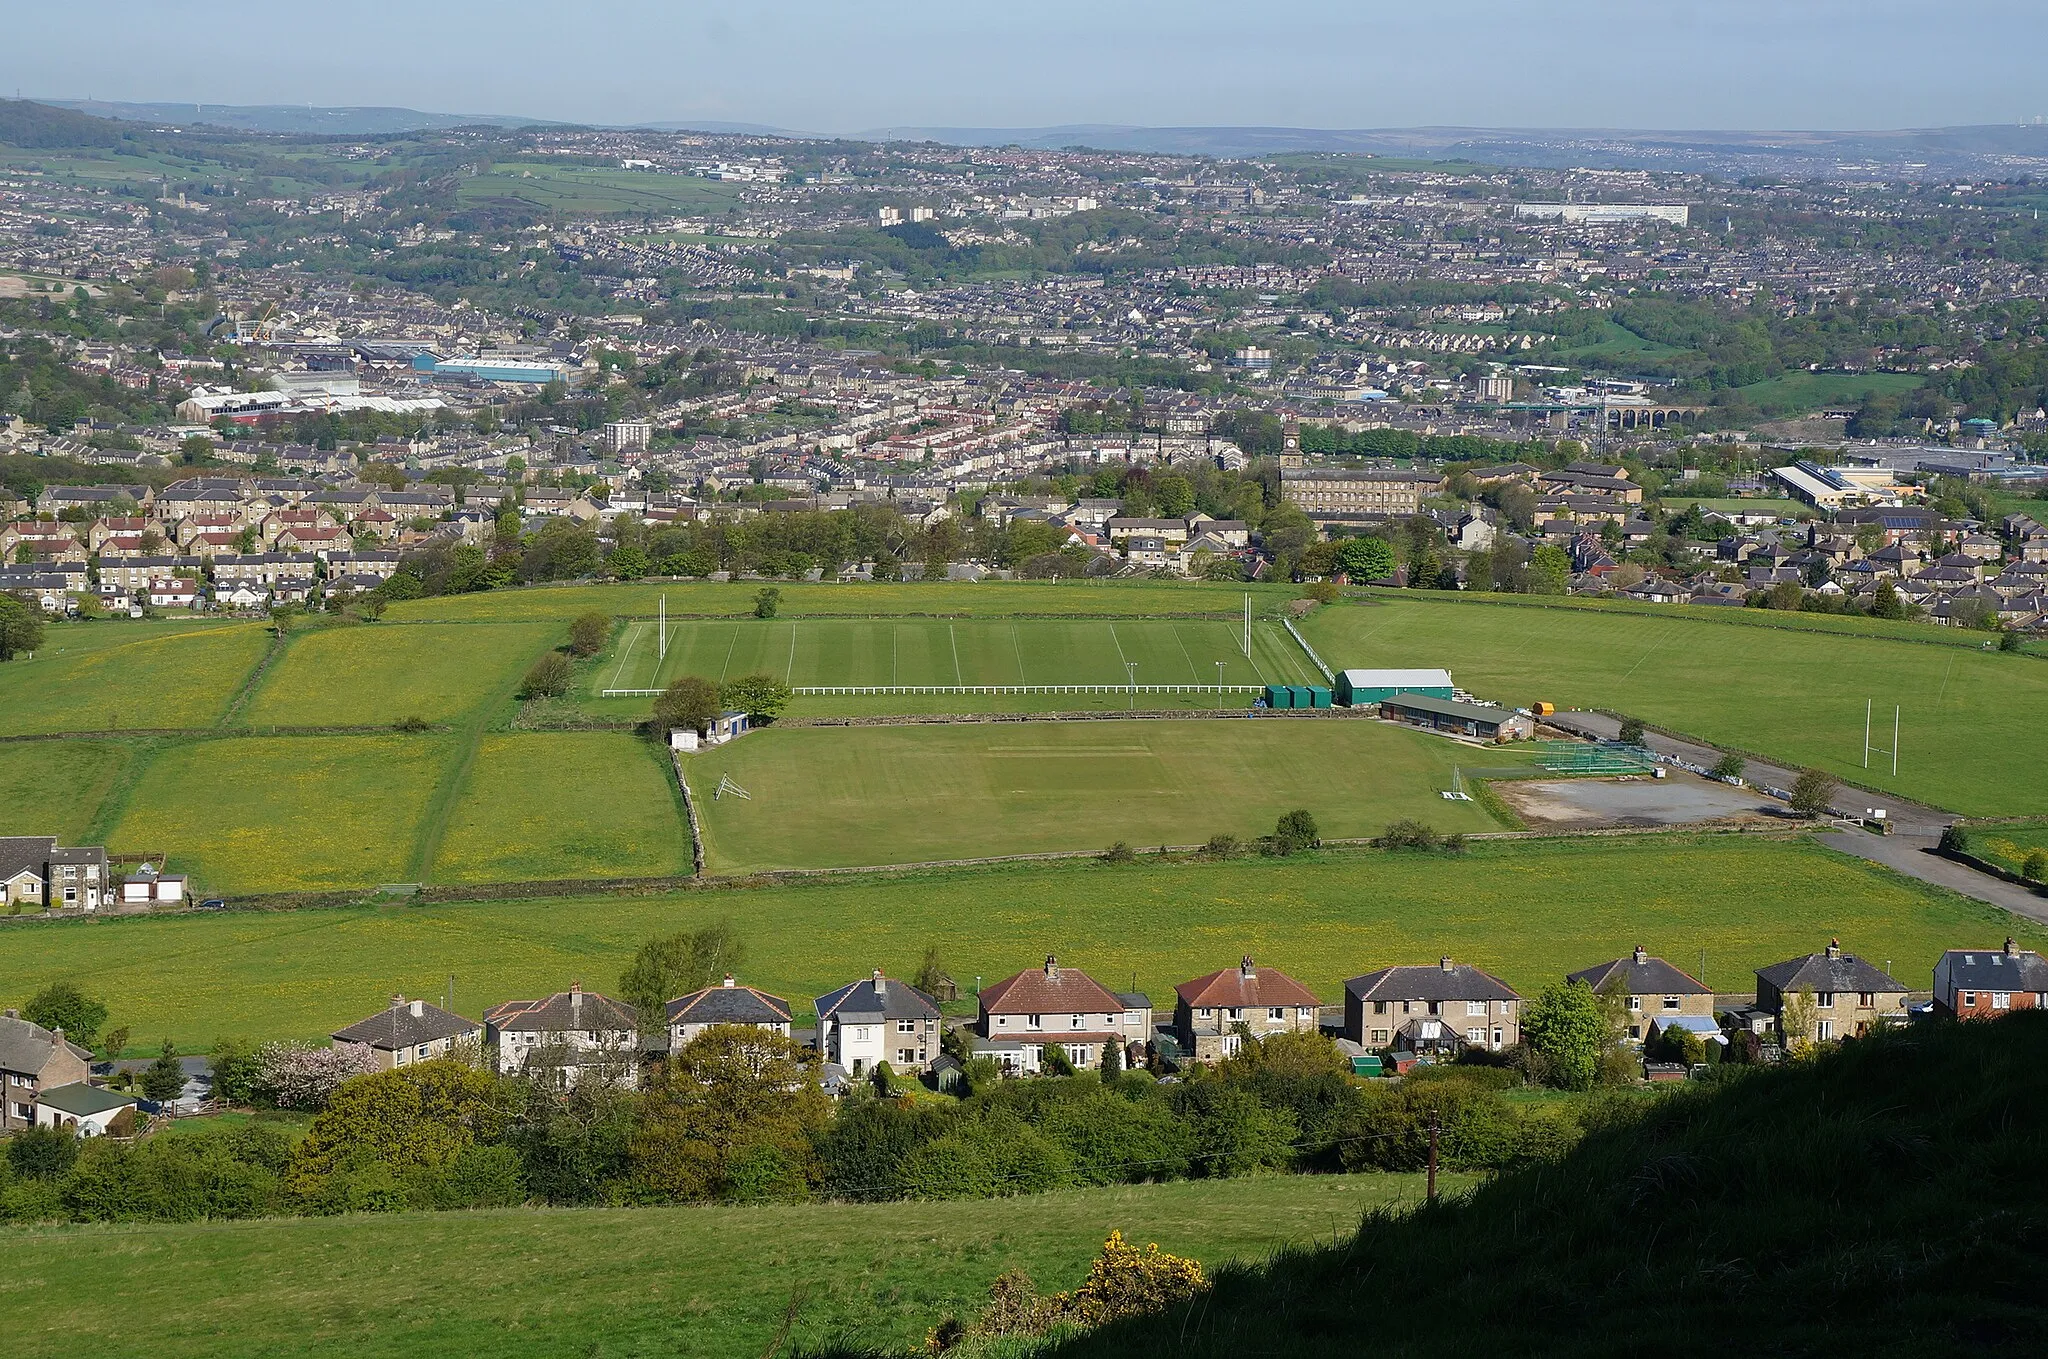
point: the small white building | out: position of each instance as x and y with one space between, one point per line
150 884
85 1109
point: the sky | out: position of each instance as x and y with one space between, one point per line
842 66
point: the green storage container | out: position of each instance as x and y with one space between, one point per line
1304 697
1279 696
1318 697
1367 1065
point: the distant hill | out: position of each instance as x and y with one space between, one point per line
41 127
303 119
1884 1201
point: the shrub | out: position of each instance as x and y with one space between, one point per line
2010 641
1322 591
1631 731
767 601
689 702
1813 792
295 1075
984 1158
1223 847
1409 834
2034 868
549 677
1120 853
1729 767
587 633
411 724
1296 831
1955 840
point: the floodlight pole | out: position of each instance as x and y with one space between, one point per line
1895 740
1866 732
1219 686
1132 668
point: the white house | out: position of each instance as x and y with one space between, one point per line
85 1109
574 1035
879 1020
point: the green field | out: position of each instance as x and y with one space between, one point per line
889 795
375 675
862 653
121 674
1785 509
1529 911
564 805
548 187
951 599
1971 729
695 1281
56 787
1799 393
2008 846
284 813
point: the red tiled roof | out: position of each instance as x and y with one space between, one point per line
1050 990
1231 987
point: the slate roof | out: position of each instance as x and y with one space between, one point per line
557 1014
1445 981
728 1004
1641 975
1051 989
898 1000
18 852
396 1026
1829 970
1990 969
26 1046
1245 985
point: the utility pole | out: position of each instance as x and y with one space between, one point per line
1219 702
1432 1156
1132 668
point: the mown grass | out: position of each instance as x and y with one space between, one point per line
284 813
590 189
696 1281
987 599
1970 741
564 805
882 795
56 787
121 674
1797 393
1529 911
378 673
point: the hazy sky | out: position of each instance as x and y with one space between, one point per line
839 66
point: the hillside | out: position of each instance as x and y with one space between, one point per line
1884 1201
25 123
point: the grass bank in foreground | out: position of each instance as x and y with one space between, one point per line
1970 740
709 1281
1528 911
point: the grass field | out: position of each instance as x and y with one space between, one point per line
1529 911
828 652
1797 393
2008 846
284 813
1971 739
564 805
1785 509
348 676
56 788
122 674
696 1281
883 795
955 599
548 187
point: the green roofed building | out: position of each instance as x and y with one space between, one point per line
1358 688
1458 719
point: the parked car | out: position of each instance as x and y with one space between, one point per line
213 904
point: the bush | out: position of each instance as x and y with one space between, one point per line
588 632
766 601
985 1158
2034 868
1296 831
1120 853
412 724
1813 792
2010 641
1223 847
1955 840
1631 731
1410 834
549 677
1322 591
1729 767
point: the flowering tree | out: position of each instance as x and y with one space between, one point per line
299 1076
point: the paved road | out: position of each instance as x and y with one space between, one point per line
1910 818
1909 855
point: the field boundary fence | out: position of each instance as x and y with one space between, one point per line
1294 632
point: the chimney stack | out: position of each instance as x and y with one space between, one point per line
2012 950
576 1004
1052 967
1245 968
1641 956
398 1000
881 984
1834 949
1444 962
418 1008
728 981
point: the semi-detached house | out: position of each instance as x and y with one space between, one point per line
879 1019
1058 1006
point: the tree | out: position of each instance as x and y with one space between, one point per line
1813 792
21 625
674 965
1729 767
2009 640
761 697
1886 603
233 1067
1786 596
411 1118
548 677
766 601
61 1005
932 977
1112 1060
195 447
1566 1031
1631 731
2034 868
165 1076
734 1114
1550 570
688 703
1296 831
587 633
1366 558
1799 1021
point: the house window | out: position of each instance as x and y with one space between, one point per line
906 1026
1035 1021
1635 1002
1496 1037
1379 1007
1969 999
1002 1021
1236 1013
1379 1038
906 1055
1276 1013
1206 1012
2001 1000
1671 1002
1866 999
1824 1029
1076 1021
421 1052
1436 1007
1825 1000
1475 1036
1475 1007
